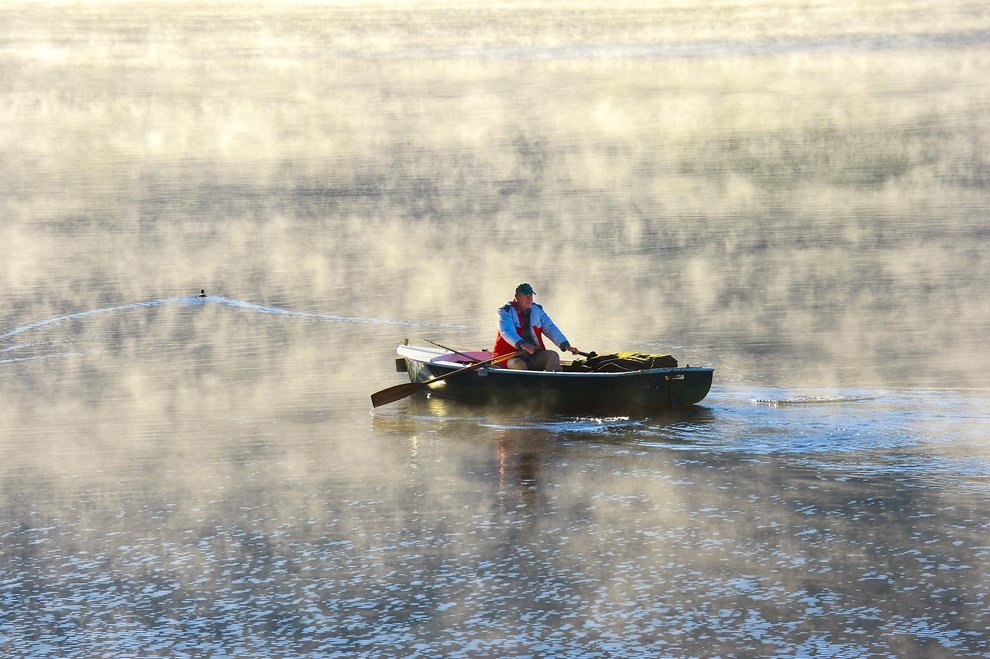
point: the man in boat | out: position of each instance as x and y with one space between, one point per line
522 324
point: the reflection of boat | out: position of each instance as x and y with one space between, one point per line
569 390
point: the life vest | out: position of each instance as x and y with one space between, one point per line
503 347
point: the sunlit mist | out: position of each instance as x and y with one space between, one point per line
664 181
796 194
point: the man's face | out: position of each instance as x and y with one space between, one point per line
524 301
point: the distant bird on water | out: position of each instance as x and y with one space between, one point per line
202 292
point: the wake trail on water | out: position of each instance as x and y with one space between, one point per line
84 314
278 311
237 304
810 400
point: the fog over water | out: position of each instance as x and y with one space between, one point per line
796 194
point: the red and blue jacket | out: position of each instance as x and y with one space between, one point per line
510 329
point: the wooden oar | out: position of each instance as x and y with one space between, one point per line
400 391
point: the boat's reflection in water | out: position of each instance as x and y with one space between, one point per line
534 416
523 454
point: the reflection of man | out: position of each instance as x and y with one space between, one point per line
521 326
521 455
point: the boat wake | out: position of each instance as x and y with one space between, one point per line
237 304
84 314
809 400
55 355
279 311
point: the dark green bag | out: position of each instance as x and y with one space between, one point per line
620 362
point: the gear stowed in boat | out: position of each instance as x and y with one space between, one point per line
594 385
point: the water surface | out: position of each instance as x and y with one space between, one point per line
795 195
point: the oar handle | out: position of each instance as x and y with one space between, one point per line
589 355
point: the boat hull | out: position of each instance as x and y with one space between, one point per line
605 393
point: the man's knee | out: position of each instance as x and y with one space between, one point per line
516 363
547 360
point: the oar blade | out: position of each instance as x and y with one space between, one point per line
392 394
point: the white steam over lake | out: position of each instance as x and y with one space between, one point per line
794 193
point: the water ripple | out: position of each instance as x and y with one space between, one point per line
238 304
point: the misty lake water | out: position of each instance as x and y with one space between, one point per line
796 194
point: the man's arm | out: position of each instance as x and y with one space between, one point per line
552 332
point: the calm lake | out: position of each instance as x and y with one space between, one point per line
796 194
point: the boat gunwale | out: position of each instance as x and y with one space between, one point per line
525 373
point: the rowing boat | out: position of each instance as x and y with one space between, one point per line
569 390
